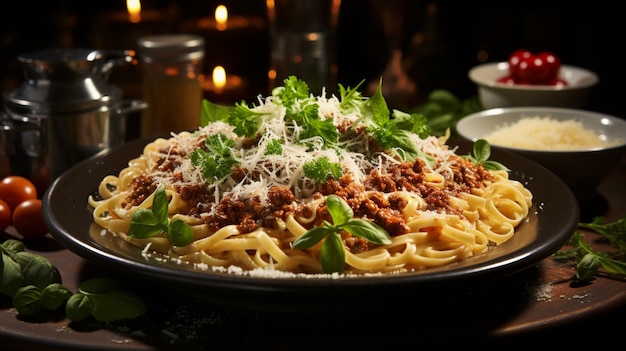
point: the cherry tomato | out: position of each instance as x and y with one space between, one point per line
553 64
514 61
15 190
5 216
535 70
27 219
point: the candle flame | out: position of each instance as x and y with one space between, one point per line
134 10
221 17
219 78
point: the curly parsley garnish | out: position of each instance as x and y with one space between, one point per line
319 170
218 160
332 254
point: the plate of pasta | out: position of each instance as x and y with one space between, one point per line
304 195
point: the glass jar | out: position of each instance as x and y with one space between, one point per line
171 68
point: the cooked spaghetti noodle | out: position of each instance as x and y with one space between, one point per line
437 207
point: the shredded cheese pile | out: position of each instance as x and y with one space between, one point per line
545 133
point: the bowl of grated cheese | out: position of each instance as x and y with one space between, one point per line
494 94
581 147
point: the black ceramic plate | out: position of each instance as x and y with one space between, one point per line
552 219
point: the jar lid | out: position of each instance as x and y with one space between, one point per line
170 47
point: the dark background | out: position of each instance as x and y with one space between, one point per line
459 36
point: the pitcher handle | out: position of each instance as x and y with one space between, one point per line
131 105
114 58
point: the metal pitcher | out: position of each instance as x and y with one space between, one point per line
64 111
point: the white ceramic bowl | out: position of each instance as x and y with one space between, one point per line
493 94
582 170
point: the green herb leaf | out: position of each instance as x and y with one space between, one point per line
320 169
393 133
116 305
27 300
37 270
481 152
339 210
11 277
367 230
312 237
274 147
54 296
294 89
147 223
587 268
350 97
212 112
332 255
12 246
160 206
614 231
78 307
218 160
180 233
245 120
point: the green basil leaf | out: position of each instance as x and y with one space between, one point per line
37 270
116 305
367 230
494 166
338 209
78 307
212 112
180 233
311 237
13 245
145 224
587 267
98 285
54 296
11 277
159 206
332 254
27 300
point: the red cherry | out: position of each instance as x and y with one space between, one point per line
514 61
535 70
552 62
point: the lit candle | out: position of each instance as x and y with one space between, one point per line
134 10
223 88
122 29
221 17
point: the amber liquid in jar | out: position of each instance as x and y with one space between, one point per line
170 83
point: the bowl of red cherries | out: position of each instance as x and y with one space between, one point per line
532 79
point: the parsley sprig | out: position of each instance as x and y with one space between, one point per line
320 169
218 160
332 254
590 262
147 223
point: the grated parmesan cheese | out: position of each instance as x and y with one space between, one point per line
545 133
285 169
